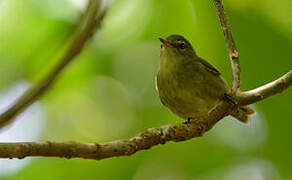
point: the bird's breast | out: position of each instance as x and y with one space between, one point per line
181 96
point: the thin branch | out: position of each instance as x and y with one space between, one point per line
255 95
233 53
83 32
265 91
125 147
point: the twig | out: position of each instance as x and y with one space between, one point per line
83 32
258 94
125 147
265 91
233 53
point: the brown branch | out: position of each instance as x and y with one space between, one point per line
125 147
265 91
83 32
233 53
255 95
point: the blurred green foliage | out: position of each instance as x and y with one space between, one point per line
108 92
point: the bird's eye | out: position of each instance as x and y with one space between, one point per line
161 46
182 46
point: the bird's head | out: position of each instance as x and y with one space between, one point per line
177 46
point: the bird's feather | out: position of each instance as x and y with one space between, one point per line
209 67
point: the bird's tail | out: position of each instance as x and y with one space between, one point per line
242 114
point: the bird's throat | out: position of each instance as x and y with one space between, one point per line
169 62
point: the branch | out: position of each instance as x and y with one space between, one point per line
233 53
125 147
83 32
265 91
255 95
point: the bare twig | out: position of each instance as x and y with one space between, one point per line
233 53
265 91
83 32
252 96
125 147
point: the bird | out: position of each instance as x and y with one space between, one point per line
188 85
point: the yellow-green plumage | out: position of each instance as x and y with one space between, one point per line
188 85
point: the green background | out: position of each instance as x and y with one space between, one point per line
108 92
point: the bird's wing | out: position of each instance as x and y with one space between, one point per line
209 67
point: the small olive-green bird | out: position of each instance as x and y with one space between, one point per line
188 85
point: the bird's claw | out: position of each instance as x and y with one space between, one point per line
188 121
226 97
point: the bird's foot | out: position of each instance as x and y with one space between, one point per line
226 97
188 121
198 122
191 120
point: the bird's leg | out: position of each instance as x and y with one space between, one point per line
191 120
200 125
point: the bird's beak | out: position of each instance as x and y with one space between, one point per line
165 43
